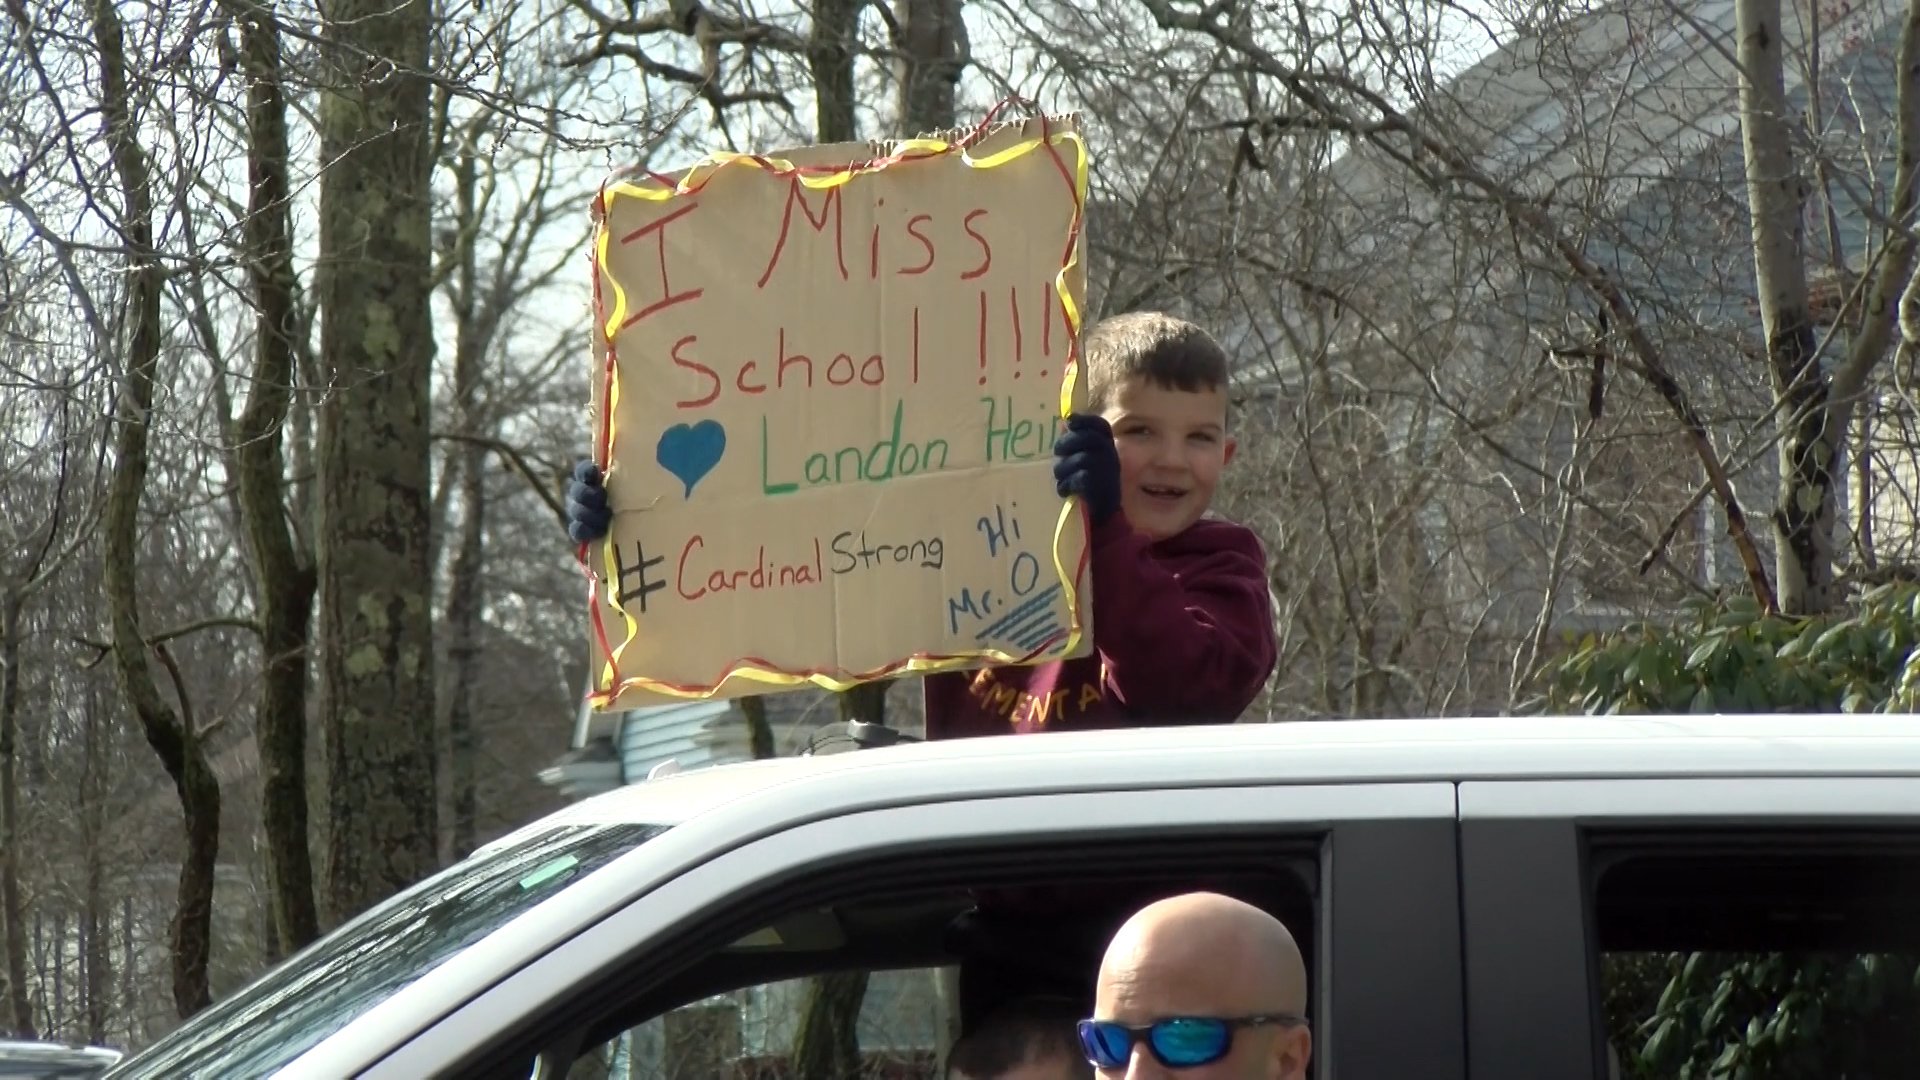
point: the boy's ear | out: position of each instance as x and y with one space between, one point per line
1231 444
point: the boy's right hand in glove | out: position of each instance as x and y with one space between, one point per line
1086 463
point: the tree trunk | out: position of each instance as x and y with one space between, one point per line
96 960
827 1046
1803 516
1871 345
129 970
866 702
57 1005
285 579
19 1009
170 733
759 731
830 55
465 601
932 54
465 584
377 339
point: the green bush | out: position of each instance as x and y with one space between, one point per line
1728 657
1767 1016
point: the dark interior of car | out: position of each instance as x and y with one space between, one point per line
1852 891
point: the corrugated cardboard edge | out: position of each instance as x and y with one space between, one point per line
844 154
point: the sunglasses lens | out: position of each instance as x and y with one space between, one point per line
1188 1042
1106 1044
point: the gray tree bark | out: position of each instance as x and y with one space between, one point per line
375 281
466 582
1776 194
931 53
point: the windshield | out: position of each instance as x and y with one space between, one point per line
352 970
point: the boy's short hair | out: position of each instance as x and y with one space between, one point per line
1025 1031
1169 352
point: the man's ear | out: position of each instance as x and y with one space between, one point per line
1232 444
1292 1052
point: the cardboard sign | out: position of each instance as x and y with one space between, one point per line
827 388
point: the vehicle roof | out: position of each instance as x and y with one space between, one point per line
1448 749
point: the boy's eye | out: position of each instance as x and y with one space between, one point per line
1204 436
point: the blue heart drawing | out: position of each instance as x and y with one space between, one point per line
690 452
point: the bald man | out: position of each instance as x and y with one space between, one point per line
1200 987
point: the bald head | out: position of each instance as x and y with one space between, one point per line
1208 955
1232 953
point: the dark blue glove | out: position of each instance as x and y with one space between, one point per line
1085 463
588 516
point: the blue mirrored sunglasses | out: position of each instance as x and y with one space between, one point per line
1180 1042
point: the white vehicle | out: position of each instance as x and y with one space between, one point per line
1457 884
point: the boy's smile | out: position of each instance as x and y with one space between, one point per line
1173 445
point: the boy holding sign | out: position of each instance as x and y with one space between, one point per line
1183 627
1183 624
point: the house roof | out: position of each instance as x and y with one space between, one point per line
1631 110
1658 77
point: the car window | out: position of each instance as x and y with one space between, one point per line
1765 956
877 943
344 974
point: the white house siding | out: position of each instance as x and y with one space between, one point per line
682 733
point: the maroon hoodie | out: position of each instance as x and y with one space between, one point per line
1182 634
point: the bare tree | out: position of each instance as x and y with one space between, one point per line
170 728
220 492
495 267
475 326
284 576
1814 408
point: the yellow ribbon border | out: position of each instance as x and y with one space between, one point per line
695 178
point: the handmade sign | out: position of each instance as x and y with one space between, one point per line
827 388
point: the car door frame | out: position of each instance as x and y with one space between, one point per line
1390 979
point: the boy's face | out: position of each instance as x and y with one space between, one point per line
1173 446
